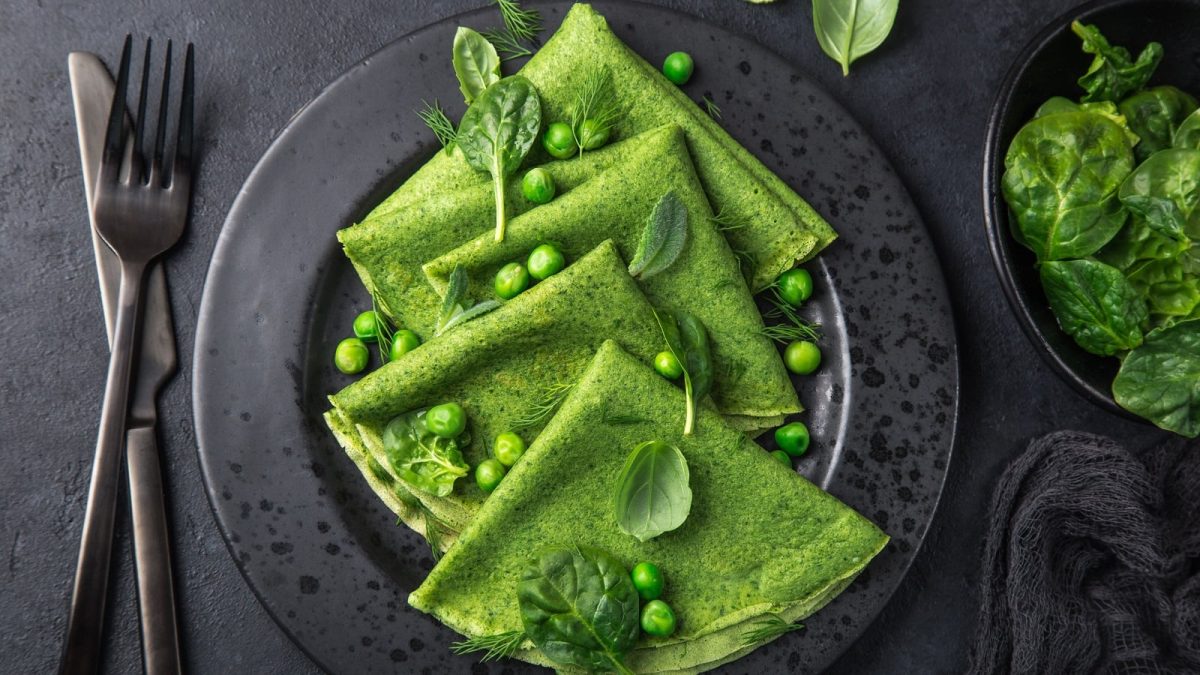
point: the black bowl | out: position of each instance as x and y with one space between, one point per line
1049 66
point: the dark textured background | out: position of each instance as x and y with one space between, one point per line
924 96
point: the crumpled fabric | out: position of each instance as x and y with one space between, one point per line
1092 561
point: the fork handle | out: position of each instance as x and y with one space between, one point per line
85 623
152 554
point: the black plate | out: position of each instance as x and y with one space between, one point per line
1049 66
324 555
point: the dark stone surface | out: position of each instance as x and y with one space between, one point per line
924 97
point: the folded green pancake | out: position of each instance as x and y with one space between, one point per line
760 540
752 388
498 367
777 227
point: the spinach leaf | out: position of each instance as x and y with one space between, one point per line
1166 284
476 63
1060 104
421 458
1095 305
580 608
1113 73
1138 242
1061 177
1165 191
1161 379
663 239
1155 115
1187 136
653 494
849 29
497 132
687 340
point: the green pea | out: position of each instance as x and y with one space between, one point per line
489 474
545 261
781 457
447 420
678 67
559 140
593 134
351 356
403 342
667 365
648 580
658 619
793 438
508 448
795 286
802 358
511 280
366 326
538 186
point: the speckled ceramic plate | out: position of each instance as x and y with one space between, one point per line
326 557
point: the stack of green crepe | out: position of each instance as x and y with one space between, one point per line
752 388
760 540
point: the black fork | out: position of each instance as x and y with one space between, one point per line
140 210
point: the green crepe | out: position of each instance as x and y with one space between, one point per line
752 388
777 229
759 540
497 365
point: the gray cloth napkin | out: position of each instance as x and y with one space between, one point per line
1092 561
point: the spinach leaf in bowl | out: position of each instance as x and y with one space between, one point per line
1161 379
1165 191
1061 177
1172 291
1095 305
1155 115
1187 136
1114 73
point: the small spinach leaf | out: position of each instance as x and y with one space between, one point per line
421 458
1113 73
1137 242
497 132
1187 136
1059 104
580 608
653 494
1161 379
1165 191
1155 115
475 63
687 340
1166 284
1095 305
849 29
663 239
1061 177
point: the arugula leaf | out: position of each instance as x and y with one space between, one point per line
1095 305
421 458
1161 379
849 29
663 239
1113 73
653 494
687 340
497 132
579 607
476 63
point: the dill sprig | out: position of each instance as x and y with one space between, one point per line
524 24
597 104
494 646
792 326
507 45
435 118
710 107
433 527
745 261
618 419
768 629
383 329
543 407
726 221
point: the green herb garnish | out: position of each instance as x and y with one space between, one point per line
1114 73
595 110
543 406
687 339
768 629
663 238
792 326
523 24
653 493
453 313
494 647
439 123
710 107
476 63
848 29
507 45
433 527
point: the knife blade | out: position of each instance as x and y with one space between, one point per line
92 91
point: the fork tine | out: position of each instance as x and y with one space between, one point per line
183 151
156 167
137 170
113 142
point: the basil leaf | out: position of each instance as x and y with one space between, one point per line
687 340
653 495
497 132
1165 191
1187 136
849 29
1155 115
1095 305
663 238
476 63
1113 73
421 458
1161 379
579 607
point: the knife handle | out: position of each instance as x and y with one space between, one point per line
152 554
